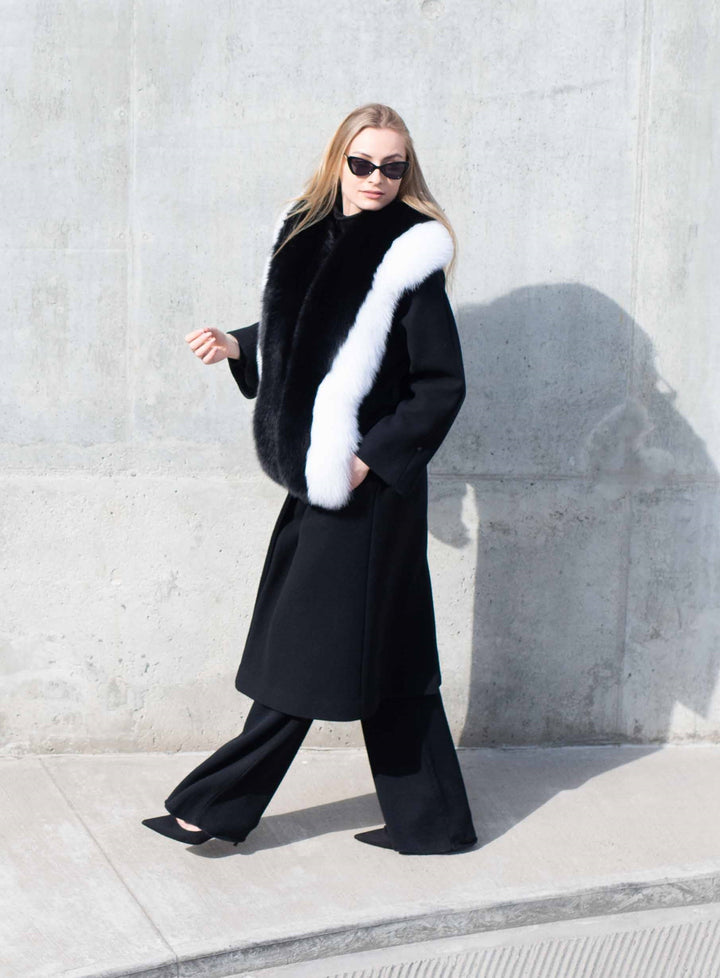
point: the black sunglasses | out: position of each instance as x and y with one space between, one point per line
363 168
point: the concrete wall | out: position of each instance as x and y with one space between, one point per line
575 507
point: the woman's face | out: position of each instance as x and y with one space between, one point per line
376 191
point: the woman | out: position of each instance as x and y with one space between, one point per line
357 372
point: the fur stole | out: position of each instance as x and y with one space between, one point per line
328 302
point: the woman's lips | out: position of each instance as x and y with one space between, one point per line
373 193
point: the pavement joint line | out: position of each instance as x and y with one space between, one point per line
174 962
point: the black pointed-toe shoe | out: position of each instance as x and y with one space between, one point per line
376 837
168 825
380 837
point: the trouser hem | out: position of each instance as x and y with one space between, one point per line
459 847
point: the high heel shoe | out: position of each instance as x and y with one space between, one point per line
380 837
376 837
168 825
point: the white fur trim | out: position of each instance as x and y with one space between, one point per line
266 271
334 434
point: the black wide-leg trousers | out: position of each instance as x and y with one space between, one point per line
412 758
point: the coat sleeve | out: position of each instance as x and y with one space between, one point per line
402 443
245 369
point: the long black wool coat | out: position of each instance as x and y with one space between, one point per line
356 351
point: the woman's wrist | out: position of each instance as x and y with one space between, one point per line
233 347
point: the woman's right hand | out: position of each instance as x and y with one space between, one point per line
211 345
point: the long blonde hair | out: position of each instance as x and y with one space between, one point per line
318 195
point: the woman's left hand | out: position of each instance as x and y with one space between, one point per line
359 470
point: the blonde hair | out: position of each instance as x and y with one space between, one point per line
318 195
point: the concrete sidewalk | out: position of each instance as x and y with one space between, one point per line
565 833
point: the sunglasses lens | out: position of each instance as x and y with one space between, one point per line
394 170
361 168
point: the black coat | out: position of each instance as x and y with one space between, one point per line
344 609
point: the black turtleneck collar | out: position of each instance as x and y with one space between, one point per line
338 210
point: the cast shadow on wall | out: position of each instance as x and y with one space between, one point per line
596 613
